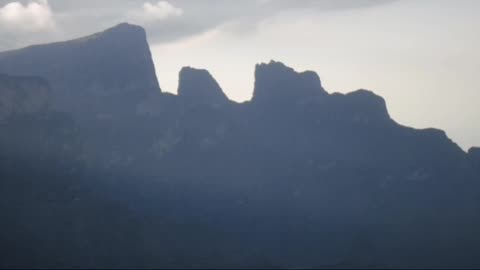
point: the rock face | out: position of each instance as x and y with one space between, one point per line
277 84
20 95
198 86
99 74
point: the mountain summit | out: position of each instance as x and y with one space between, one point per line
104 72
275 83
198 86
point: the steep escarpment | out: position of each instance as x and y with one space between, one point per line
107 72
198 86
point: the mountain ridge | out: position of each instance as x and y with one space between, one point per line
74 40
297 176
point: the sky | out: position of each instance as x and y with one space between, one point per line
421 56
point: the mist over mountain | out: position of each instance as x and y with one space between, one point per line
99 168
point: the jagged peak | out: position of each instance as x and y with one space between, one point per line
199 85
274 81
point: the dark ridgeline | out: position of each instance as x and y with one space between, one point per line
99 168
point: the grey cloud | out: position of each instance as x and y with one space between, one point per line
77 18
242 16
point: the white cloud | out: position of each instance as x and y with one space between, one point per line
33 17
159 11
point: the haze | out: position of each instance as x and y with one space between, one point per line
421 56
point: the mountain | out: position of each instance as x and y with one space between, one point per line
103 170
106 72
274 83
198 86
355 127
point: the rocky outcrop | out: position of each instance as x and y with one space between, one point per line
100 74
198 86
277 84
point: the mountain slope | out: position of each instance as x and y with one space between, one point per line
105 72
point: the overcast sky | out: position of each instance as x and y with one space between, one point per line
422 56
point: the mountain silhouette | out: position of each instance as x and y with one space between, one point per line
101 169
198 86
277 84
84 73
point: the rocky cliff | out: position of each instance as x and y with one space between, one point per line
97 75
